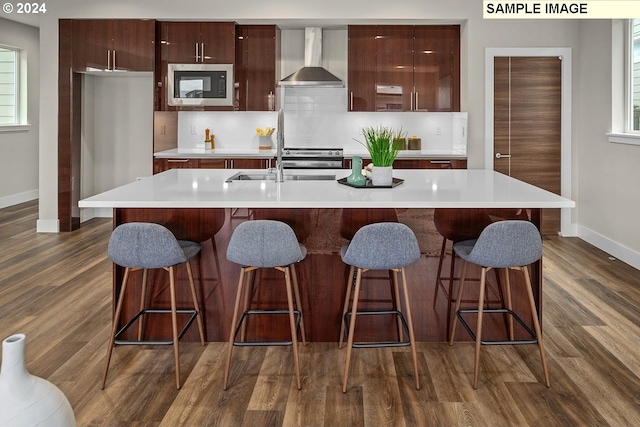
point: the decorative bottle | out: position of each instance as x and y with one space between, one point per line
356 177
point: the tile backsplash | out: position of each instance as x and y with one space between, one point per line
318 117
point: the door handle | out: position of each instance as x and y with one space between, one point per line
499 156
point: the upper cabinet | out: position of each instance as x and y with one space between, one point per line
394 68
257 54
436 65
113 44
191 43
404 68
198 42
362 67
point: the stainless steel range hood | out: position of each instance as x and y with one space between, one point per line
312 74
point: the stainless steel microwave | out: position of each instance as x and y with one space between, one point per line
200 84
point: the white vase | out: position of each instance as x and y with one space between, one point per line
27 400
382 176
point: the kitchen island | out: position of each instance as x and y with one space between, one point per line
202 205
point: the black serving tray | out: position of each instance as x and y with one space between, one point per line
369 184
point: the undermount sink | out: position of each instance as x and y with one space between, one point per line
246 176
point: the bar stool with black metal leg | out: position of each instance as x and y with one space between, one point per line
266 244
511 244
144 246
381 246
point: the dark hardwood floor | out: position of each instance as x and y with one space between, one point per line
56 288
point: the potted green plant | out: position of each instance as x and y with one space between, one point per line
380 143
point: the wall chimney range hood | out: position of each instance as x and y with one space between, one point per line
312 74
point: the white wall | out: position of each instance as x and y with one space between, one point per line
616 171
608 174
19 149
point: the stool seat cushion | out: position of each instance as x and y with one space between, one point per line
511 243
382 246
264 244
148 245
189 248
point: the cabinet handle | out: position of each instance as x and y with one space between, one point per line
114 59
417 107
411 102
440 162
197 55
108 59
498 155
177 160
201 52
350 101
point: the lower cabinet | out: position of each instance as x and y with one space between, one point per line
163 164
446 164
421 163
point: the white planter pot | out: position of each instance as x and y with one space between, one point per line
382 176
27 400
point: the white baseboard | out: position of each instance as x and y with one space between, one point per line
47 226
614 249
16 199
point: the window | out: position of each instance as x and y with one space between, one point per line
634 72
9 86
625 82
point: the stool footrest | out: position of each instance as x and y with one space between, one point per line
264 343
193 316
533 340
405 326
440 285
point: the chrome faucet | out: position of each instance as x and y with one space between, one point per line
279 146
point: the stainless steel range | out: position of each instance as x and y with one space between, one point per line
312 158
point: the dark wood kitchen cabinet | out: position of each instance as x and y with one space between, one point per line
436 65
404 68
362 67
198 42
113 44
191 43
420 163
257 53
161 164
394 68
83 45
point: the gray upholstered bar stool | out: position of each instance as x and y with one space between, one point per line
511 244
144 246
266 244
382 246
457 225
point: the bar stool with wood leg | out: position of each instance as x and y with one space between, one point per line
381 246
456 225
144 246
511 244
266 244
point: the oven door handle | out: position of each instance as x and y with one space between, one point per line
312 164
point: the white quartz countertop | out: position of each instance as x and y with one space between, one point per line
207 188
227 153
